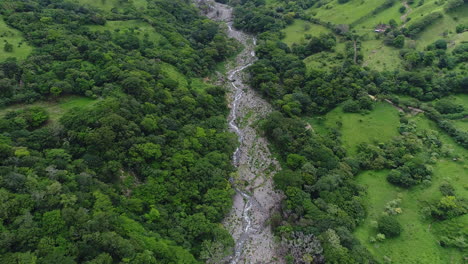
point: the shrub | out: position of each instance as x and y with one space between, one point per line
389 226
8 47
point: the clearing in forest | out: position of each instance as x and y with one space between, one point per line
108 5
378 126
57 108
297 31
19 47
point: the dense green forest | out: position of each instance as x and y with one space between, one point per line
137 173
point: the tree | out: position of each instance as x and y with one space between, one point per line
389 226
399 41
441 44
8 47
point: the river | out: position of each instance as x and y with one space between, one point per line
255 199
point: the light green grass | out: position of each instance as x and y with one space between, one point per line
383 17
102 4
140 27
461 124
378 56
295 33
461 99
345 13
108 5
140 4
55 108
21 49
380 125
446 24
172 73
418 241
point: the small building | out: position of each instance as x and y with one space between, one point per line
381 28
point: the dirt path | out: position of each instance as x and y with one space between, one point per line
255 198
405 15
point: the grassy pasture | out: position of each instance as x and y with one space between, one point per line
140 27
444 28
55 108
418 241
295 33
380 125
369 24
380 57
345 13
108 5
102 4
21 49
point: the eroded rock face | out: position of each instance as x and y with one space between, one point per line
255 199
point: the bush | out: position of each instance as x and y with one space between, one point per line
460 28
441 44
8 47
399 41
351 106
446 106
389 226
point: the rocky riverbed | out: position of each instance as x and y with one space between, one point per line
255 199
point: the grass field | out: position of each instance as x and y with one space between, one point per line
102 4
444 28
382 17
21 49
418 241
108 5
140 27
295 33
55 108
345 13
380 125
380 57
172 73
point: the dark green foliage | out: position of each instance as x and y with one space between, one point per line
8 47
325 42
441 44
399 41
389 226
447 106
460 28
139 177
461 52
449 207
314 181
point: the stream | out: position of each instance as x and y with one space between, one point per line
255 199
